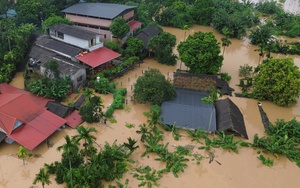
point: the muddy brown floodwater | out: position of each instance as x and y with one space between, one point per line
235 170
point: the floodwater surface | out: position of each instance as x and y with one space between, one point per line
232 171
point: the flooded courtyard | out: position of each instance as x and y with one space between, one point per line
234 170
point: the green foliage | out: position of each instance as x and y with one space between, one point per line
129 125
225 76
201 53
118 102
113 45
266 161
282 138
28 11
52 67
153 87
57 89
202 12
222 141
134 47
147 176
55 20
22 153
131 144
278 81
162 45
153 116
213 96
268 7
92 110
103 86
119 28
245 71
43 177
261 35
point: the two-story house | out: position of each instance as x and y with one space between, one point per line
98 17
79 37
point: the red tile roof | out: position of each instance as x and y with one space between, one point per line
36 131
7 122
98 57
74 119
134 25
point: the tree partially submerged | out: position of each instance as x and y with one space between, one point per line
119 28
278 80
92 110
153 87
162 46
201 53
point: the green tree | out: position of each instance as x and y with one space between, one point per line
28 11
92 110
134 47
201 53
153 116
22 153
225 40
54 20
84 133
153 87
70 148
119 28
202 11
43 177
162 45
278 80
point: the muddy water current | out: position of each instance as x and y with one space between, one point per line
230 170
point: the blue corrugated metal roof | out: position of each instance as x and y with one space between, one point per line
188 111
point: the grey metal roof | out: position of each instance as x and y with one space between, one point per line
65 65
54 45
99 10
147 34
75 31
189 112
229 117
59 109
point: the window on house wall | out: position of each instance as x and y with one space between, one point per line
60 35
105 36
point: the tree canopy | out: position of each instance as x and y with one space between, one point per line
92 110
201 53
162 45
153 87
278 81
119 28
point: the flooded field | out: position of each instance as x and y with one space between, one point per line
235 170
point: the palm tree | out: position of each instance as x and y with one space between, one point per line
225 40
69 148
43 177
85 134
22 153
261 51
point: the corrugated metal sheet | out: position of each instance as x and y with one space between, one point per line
98 57
75 31
74 119
7 122
37 130
99 10
229 117
6 88
134 25
21 107
188 111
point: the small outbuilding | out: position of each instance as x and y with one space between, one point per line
230 118
187 111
